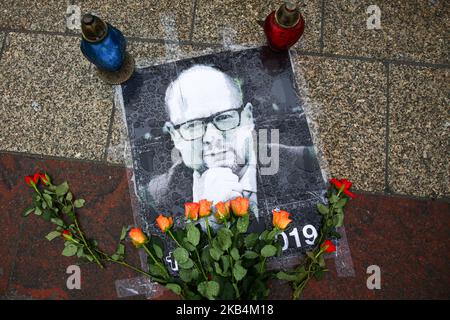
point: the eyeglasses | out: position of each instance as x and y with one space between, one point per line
223 121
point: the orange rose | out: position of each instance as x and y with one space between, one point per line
223 210
280 219
164 223
137 237
240 206
191 209
204 208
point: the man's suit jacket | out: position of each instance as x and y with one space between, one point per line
298 175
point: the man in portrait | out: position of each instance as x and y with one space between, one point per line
212 128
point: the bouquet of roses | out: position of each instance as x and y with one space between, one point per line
227 263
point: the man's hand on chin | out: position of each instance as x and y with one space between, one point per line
218 184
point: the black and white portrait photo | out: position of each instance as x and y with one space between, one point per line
222 126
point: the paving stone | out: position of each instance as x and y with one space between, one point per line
419 131
345 101
410 30
148 19
52 101
49 15
234 22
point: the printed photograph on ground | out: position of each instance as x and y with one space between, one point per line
222 126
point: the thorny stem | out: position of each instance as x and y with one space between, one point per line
179 245
85 243
154 260
208 228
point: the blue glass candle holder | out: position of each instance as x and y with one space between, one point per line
108 53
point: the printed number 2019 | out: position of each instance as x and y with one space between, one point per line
309 233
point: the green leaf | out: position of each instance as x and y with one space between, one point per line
323 209
250 240
321 261
334 198
48 199
120 249
52 235
174 287
186 275
80 252
47 215
79 203
187 264
158 250
115 257
181 255
62 189
155 270
286 276
123 234
311 255
250 255
215 253
57 221
217 268
69 196
209 289
263 235
67 209
268 251
37 211
341 203
224 238
193 234
239 272
271 235
235 254
70 250
27 211
318 274
242 224
195 274
338 220
225 262
187 245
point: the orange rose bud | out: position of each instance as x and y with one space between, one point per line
280 219
222 210
240 206
328 246
164 223
137 237
204 208
191 209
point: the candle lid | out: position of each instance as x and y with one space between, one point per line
93 28
287 15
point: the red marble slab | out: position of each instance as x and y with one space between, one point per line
407 238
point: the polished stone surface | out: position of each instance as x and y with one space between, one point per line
404 237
